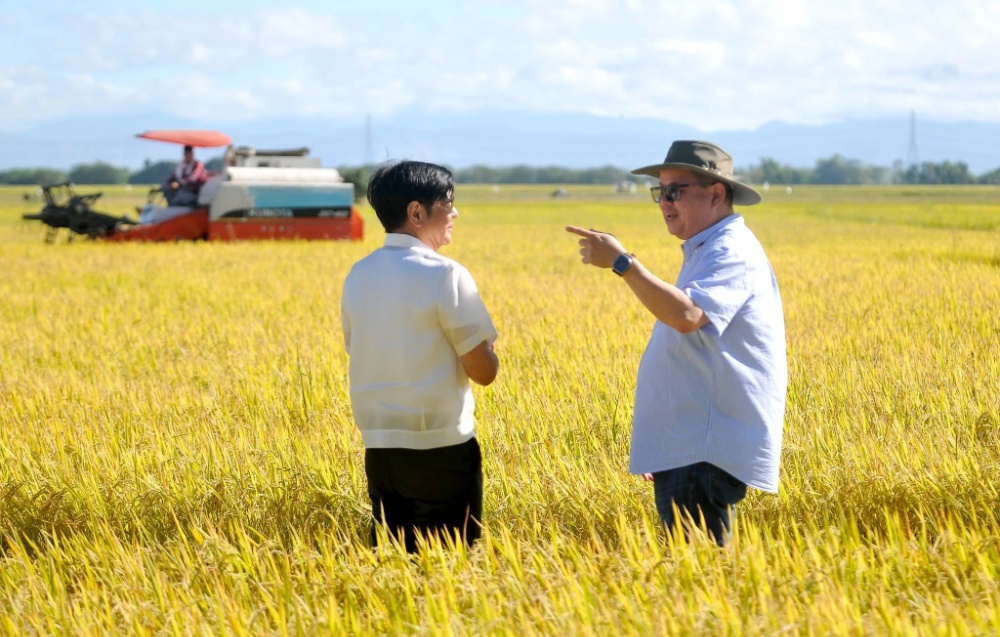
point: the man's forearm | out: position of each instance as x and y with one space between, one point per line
668 303
481 363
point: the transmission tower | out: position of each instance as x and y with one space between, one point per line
912 157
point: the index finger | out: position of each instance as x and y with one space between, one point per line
581 231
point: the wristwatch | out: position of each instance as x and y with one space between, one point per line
622 263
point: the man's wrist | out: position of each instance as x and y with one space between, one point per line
622 263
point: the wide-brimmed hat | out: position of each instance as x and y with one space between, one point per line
705 159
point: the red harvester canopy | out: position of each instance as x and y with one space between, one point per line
196 138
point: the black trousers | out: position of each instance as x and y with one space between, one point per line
426 491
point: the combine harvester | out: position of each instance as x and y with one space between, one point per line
259 194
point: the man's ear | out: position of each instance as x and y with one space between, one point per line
415 213
718 194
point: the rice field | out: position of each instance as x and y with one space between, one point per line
177 454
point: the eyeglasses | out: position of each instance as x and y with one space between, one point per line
671 192
448 202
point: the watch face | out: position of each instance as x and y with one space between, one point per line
621 264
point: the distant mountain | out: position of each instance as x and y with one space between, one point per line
503 138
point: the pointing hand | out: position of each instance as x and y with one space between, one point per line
597 248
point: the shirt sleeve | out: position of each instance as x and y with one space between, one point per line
463 315
345 321
722 288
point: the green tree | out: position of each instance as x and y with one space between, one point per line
522 174
359 176
30 176
945 172
477 174
98 173
604 175
152 173
838 170
992 177
770 171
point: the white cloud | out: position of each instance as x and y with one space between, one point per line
119 40
718 65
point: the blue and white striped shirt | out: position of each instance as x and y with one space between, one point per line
717 394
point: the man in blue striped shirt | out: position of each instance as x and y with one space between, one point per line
710 391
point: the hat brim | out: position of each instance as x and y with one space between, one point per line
743 195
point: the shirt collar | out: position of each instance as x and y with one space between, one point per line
699 239
400 240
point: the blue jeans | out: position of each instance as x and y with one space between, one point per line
178 196
702 491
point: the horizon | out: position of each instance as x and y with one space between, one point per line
574 142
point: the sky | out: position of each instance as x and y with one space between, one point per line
713 66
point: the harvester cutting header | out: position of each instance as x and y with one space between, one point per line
258 194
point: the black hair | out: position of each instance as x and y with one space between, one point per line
396 183
188 149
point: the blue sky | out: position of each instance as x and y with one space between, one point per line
715 66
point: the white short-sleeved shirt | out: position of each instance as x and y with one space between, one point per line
717 394
408 315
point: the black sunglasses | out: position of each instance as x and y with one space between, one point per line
671 192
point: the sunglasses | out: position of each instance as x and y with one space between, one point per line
671 192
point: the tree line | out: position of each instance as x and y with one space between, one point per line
97 173
835 170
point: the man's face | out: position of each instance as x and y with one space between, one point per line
693 211
437 229
189 156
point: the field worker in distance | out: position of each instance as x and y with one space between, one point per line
417 331
710 390
182 186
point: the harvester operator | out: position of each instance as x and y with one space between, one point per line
182 186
